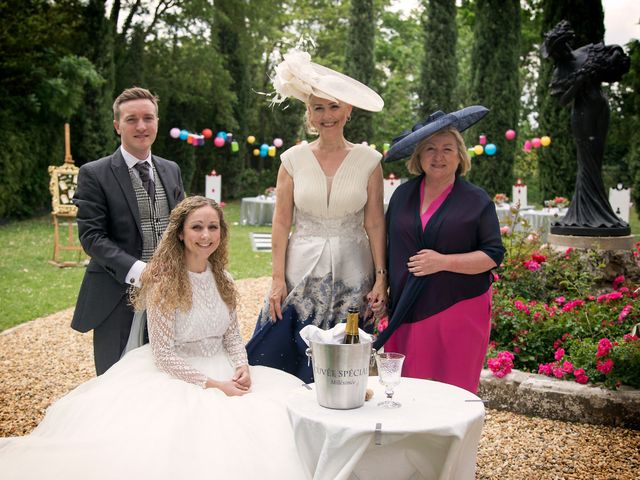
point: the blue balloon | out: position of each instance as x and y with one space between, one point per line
490 149
184 135
222 135
264 150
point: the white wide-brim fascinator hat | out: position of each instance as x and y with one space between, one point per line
297 76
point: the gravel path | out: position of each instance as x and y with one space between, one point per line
43 359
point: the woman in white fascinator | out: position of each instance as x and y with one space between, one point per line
335 257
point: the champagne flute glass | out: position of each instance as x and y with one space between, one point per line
389 374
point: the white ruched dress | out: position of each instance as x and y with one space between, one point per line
149 417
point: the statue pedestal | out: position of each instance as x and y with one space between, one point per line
600 243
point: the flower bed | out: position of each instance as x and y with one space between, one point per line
555 313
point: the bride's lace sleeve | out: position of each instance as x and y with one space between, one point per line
162 340
234 344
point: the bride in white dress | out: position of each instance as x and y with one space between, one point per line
185 406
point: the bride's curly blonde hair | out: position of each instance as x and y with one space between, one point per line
165 281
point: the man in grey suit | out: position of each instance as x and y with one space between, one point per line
124 201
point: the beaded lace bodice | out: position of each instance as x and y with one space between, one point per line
203 331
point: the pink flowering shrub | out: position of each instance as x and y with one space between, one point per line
502 364
551 317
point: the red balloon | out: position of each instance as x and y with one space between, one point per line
207 133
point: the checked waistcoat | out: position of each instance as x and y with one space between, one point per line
154 216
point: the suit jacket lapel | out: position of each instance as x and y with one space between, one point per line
121 172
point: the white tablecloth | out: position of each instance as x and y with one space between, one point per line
257 210
541 220
434 435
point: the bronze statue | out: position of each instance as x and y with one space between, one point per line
576 79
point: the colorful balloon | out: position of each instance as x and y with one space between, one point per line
527 146
278 142
234 146
207 133
222 135
490 149
218 142
251 139
482 140
256 152
545 141
184 134
272 151
471 152
478 149
510 134
264 150
190 138
373 146
535 142
385 147
174 132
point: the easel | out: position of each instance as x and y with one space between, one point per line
63 183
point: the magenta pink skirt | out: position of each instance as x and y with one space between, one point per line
449 346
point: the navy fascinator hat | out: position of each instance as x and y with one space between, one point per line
403 145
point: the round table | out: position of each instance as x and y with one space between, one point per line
433 435
257 210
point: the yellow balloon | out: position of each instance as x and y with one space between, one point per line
545 141
272 151
251 139
373 145
256 152
478 149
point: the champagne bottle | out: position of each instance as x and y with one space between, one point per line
351 332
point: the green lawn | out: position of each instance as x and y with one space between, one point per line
30 287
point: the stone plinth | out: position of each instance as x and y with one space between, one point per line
600 243
533 394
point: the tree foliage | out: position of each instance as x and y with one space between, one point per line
439 64
360 64
495 84
211 65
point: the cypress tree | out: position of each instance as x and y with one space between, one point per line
557 164
359 64
439 67
495 84
92 127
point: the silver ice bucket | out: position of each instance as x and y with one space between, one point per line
341 373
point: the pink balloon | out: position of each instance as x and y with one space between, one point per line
527 146
482 140
277 142
218 141
510 134
536 142
174 132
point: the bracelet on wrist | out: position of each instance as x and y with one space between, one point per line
381 271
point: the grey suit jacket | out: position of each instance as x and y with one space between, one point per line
110 231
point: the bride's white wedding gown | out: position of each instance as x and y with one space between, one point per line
149 417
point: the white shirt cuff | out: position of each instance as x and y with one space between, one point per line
133 277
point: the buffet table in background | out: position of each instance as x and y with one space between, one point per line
257 210
539 220
433 435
